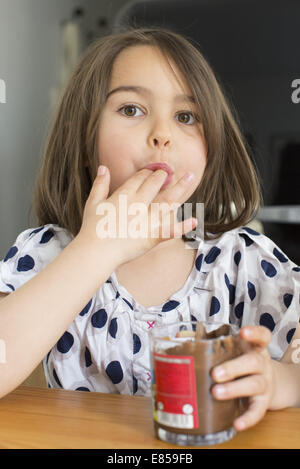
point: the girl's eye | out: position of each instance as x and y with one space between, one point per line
129 111
131 108
186 114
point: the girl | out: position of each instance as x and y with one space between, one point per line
139 101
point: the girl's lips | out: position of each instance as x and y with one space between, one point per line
165 167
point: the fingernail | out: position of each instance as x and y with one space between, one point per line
247 332
240 424
101 170
220 391
219 372
189 176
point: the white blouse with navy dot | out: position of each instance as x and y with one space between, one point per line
241 278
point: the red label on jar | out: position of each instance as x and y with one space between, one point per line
176 395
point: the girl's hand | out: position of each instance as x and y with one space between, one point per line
259 382
142 189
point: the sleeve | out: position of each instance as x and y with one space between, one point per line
267 289
33 250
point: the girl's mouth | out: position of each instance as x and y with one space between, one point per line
165 167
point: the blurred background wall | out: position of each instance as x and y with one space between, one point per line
252 45
31 65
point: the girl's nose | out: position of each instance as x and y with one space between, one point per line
161 141
160 134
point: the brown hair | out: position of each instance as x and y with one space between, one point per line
71 156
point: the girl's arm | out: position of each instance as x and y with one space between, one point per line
35 316
287 376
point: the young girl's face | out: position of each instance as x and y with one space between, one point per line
152 124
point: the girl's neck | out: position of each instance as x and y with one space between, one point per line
165 268
158 255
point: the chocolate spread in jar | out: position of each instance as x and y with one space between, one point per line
217 347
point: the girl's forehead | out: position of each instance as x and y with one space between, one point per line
145 62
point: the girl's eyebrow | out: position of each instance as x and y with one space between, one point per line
146 91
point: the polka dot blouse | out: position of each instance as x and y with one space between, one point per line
242 278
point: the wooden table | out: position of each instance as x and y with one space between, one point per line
51 418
